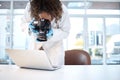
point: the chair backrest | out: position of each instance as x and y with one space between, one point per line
77 57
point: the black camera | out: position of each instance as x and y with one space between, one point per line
42 26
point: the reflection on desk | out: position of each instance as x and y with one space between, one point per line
71 72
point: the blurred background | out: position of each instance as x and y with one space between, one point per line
95 27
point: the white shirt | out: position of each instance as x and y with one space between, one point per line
53 46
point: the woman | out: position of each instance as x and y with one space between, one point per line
56 13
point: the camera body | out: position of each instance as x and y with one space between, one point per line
42 27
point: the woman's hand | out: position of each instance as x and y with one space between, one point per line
32 27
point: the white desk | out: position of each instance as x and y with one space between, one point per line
91 72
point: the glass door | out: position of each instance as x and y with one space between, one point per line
75 39
113 40
95 31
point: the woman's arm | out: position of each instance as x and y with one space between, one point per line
26 19
64 27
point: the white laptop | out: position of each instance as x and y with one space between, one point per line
33 59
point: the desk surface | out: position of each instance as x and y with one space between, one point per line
80 72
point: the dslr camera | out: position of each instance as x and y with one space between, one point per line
42 27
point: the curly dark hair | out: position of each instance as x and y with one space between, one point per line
52 7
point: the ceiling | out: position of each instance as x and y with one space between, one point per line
74 0
95 0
